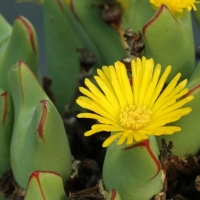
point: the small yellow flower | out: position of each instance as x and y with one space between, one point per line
135 111
176 5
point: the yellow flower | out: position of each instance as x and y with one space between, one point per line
176 5
133 112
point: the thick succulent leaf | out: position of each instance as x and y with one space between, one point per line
61 47
45 185
136 14
103 36
137 167
6 125
86 41
169 41
5 33
39 141
113 195
22 46
186 142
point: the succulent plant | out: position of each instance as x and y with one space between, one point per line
137 167
17 43
158 33
172 32
75 30
141 99
39 141
45 185
21 45
61 57
134 113
28 131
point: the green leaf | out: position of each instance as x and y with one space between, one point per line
39 141
61 46
86 40
5 33
137 14
134 171
105 37
169 41
22 46
45 185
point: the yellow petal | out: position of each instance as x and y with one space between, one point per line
123 137
106 127
175 106
146 80
122 72
87 103
118 88
97 117
167 91
113 101
160 86
91 132
103 77
101 100
152 86
111 139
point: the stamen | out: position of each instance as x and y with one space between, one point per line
135 117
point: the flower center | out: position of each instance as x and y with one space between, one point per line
135 117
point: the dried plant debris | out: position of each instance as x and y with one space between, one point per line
177 166
135 42
85 175
91 193
197 183
160 196
87 60
111 12
182 174
9 188
165 153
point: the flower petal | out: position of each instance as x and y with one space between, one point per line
111 139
